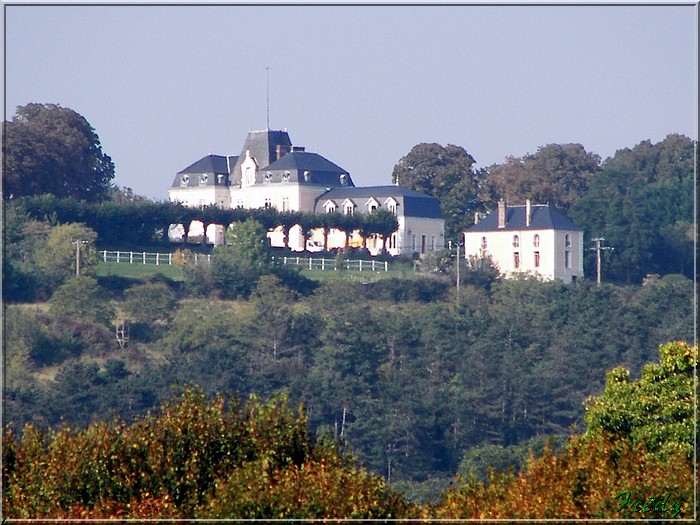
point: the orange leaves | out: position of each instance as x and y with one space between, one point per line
197 458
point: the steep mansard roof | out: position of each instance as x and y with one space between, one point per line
307 168
211 164
415 204
542 218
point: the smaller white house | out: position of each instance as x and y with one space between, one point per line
528 240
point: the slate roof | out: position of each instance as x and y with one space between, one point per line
211 164
415 203
543 217
319 171
262 146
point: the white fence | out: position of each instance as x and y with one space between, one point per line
310 263
145 257
305 263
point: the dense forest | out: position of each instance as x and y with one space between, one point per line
411 377
199 457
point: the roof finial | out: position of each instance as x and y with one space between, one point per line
267 74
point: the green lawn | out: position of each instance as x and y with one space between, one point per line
136 271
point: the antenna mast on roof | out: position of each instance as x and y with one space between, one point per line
267 74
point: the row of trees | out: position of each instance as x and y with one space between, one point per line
219 457
640 200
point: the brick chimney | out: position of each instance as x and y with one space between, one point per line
501 214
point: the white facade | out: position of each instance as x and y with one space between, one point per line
293 180
529 240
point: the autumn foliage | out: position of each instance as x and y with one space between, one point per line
196 459
220 458
639 440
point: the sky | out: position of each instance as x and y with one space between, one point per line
361 85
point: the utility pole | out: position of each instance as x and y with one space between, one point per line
77 255
598 259
458 248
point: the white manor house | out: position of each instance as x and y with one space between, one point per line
271 172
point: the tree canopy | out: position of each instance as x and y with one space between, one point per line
447 173
51 149
558 174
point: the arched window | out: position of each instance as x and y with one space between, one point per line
184 180
516 241
567 240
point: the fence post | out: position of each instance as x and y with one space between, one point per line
373 261
144 257
360 264
157 257
131 257
170 259
104 255
117 255
323 265
386 266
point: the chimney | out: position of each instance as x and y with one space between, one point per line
528 212
280 151
501 214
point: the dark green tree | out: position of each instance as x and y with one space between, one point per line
82 298
245 256
51 149
642 204
447 173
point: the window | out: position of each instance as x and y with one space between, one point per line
536 241
516 241
285 203
391 205
239 204
484 243
516 260
268 202
285 177
414 243
349 209
220 178
537 259
203 179
422 243
268 177
184 180
432 243
567 240
567 259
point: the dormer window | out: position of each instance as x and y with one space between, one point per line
372 205
330 207
344 179
391 205
285 177
268 177
220 178
349 207
203 179
307 176
184 180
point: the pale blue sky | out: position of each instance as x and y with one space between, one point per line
361 85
